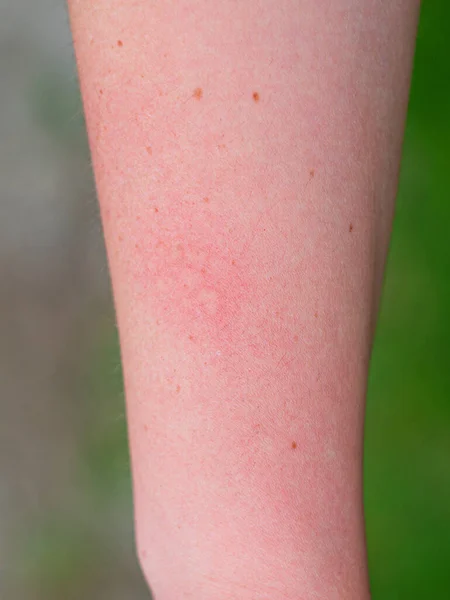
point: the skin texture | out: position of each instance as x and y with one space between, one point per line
246 157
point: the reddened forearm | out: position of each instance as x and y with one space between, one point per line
246 157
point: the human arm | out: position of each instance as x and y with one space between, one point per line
246 158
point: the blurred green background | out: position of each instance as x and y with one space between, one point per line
407 460
65 500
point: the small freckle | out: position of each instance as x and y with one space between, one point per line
101 92
178 389
149 150
294 445
316 315
120 43
156 209
198 93
350 227
120 238
206 200
233 262
256 96
295 338
191 337
203 270
312 173
138 218
136 246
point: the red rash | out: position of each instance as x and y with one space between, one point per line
192 288
196 279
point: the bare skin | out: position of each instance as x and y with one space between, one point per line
246 157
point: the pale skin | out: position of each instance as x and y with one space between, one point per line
246 156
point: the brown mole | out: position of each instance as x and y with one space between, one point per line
350 228
149 150
120 43
294 445
256 96
198 93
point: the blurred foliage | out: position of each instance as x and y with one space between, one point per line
57 558
104 449
56 106
407 460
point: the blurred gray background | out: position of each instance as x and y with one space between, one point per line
65 505
65 501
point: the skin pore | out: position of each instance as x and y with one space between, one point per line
246 158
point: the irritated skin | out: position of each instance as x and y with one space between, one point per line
246 158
